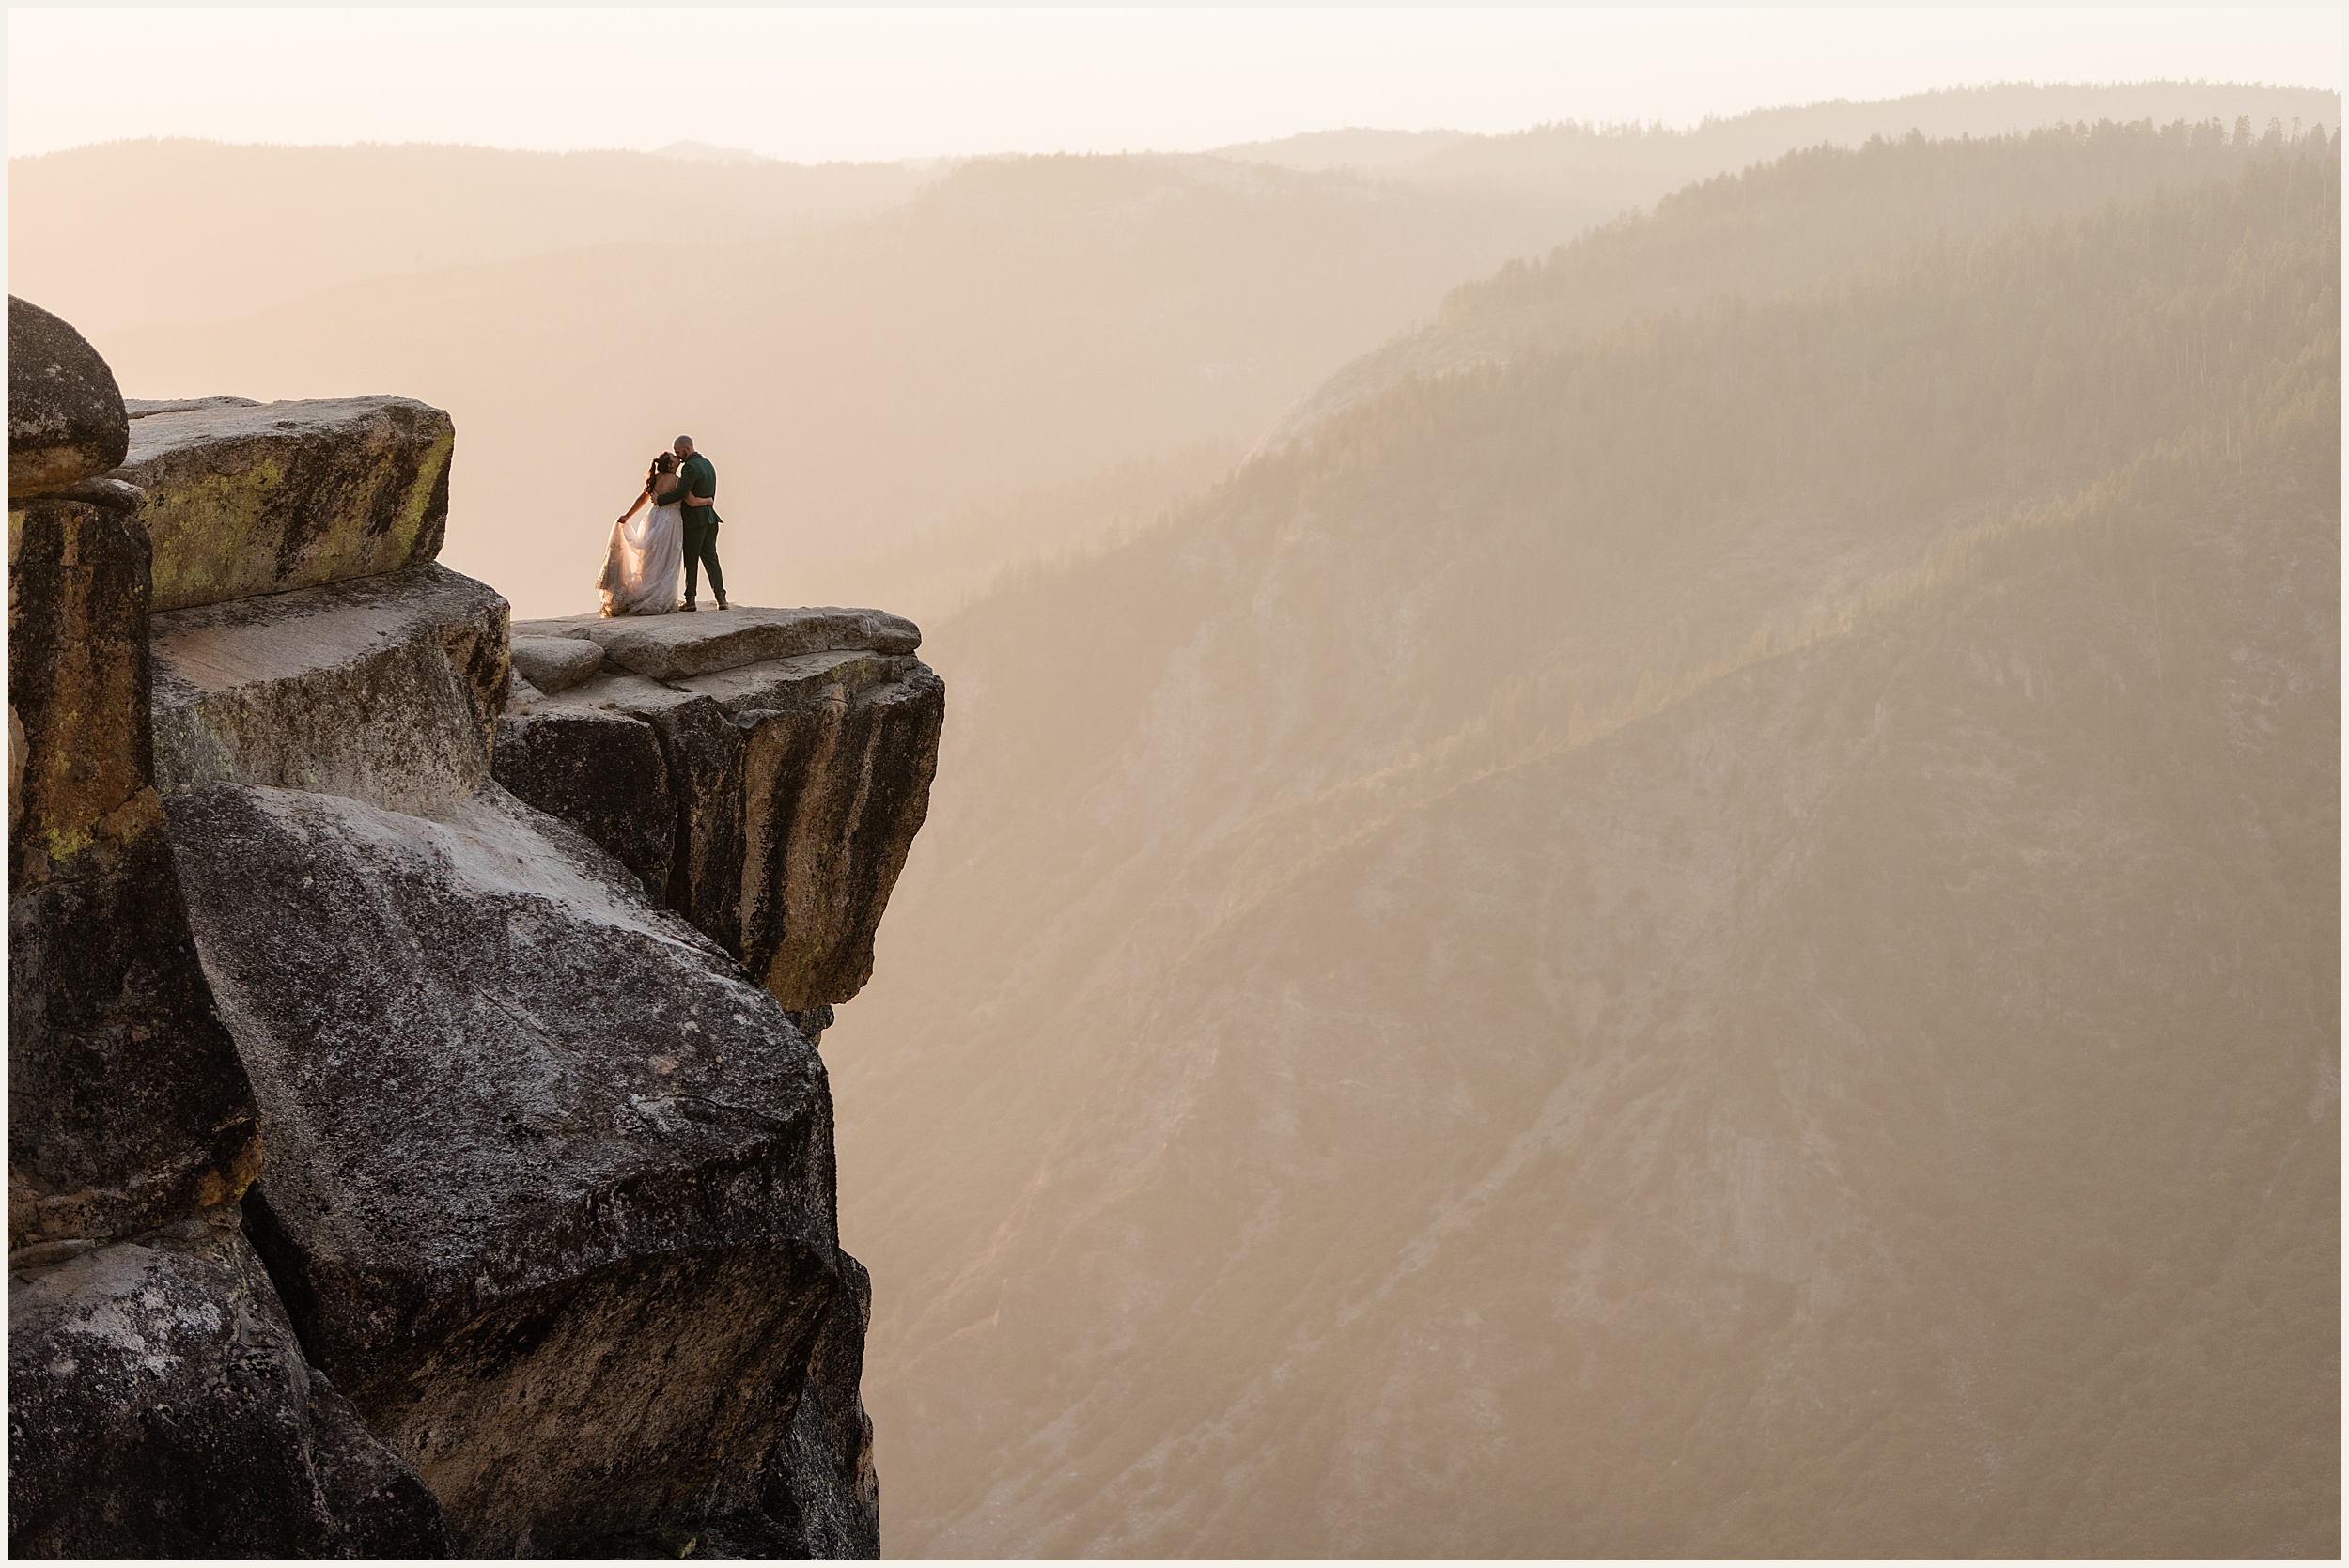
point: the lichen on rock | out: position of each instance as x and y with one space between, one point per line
260 498
128 1107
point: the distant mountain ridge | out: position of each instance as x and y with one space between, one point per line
1633 164
251 229
1807 215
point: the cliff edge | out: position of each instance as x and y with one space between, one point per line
417 1142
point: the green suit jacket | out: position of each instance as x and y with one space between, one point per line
695 477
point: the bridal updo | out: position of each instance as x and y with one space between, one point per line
665 463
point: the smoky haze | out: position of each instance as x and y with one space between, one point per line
1638 845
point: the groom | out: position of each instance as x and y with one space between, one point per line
697 489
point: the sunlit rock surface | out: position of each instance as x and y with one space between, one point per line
248 498
594 1291
159 1406
381 688
800 780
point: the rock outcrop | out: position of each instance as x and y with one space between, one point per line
797 779
246 498
556 663
159 1404
542 1255
66 418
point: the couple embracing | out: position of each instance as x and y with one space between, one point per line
640 567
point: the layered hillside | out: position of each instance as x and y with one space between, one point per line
1722 940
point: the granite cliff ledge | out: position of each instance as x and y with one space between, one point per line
414 1016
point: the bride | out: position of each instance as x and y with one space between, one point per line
642 564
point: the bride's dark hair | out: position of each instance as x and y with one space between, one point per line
661 465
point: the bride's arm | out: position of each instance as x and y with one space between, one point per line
641 497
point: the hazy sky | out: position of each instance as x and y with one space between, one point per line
817 84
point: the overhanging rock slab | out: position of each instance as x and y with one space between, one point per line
839 752
549 1183
801 783
263 498
385 688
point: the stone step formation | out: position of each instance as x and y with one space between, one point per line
417 1142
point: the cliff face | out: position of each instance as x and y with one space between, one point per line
396 1167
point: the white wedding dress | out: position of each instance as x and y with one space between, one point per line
644 563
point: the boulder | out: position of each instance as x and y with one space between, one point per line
385 688
556 663
670 647
66 419
603 774
549 1192
127 1104
260 498
159 1406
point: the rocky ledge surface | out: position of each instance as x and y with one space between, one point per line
382 689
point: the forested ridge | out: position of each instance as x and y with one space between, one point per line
1812 215
1717 940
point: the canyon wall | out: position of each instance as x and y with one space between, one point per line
417 1142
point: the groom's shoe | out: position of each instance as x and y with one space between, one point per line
722 601
689 608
